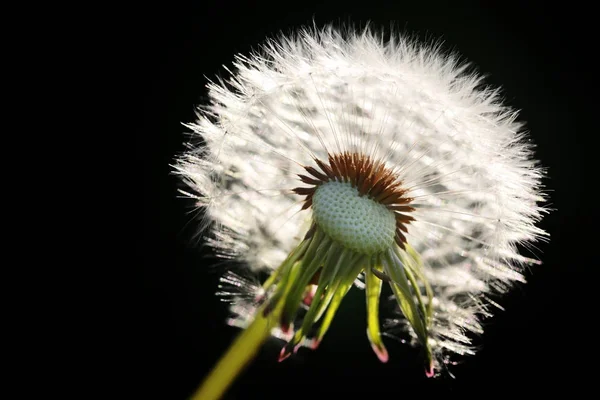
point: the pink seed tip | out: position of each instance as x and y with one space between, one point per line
315 344
296 347
381 353
283 354
429 372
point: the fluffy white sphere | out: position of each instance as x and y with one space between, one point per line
463 157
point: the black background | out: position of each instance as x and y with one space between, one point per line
542 57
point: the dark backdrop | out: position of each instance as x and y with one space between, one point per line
545 339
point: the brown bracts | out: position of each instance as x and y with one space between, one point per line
370 177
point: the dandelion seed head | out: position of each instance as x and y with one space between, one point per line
392 157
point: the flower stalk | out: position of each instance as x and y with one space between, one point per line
237 356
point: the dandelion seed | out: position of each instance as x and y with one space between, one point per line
332 157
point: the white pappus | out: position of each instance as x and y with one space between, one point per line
335 155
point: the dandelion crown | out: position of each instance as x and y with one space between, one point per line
336 159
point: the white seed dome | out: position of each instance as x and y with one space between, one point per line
357 223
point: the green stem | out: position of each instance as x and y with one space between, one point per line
247 344
239 354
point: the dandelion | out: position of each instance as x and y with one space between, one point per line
336 158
